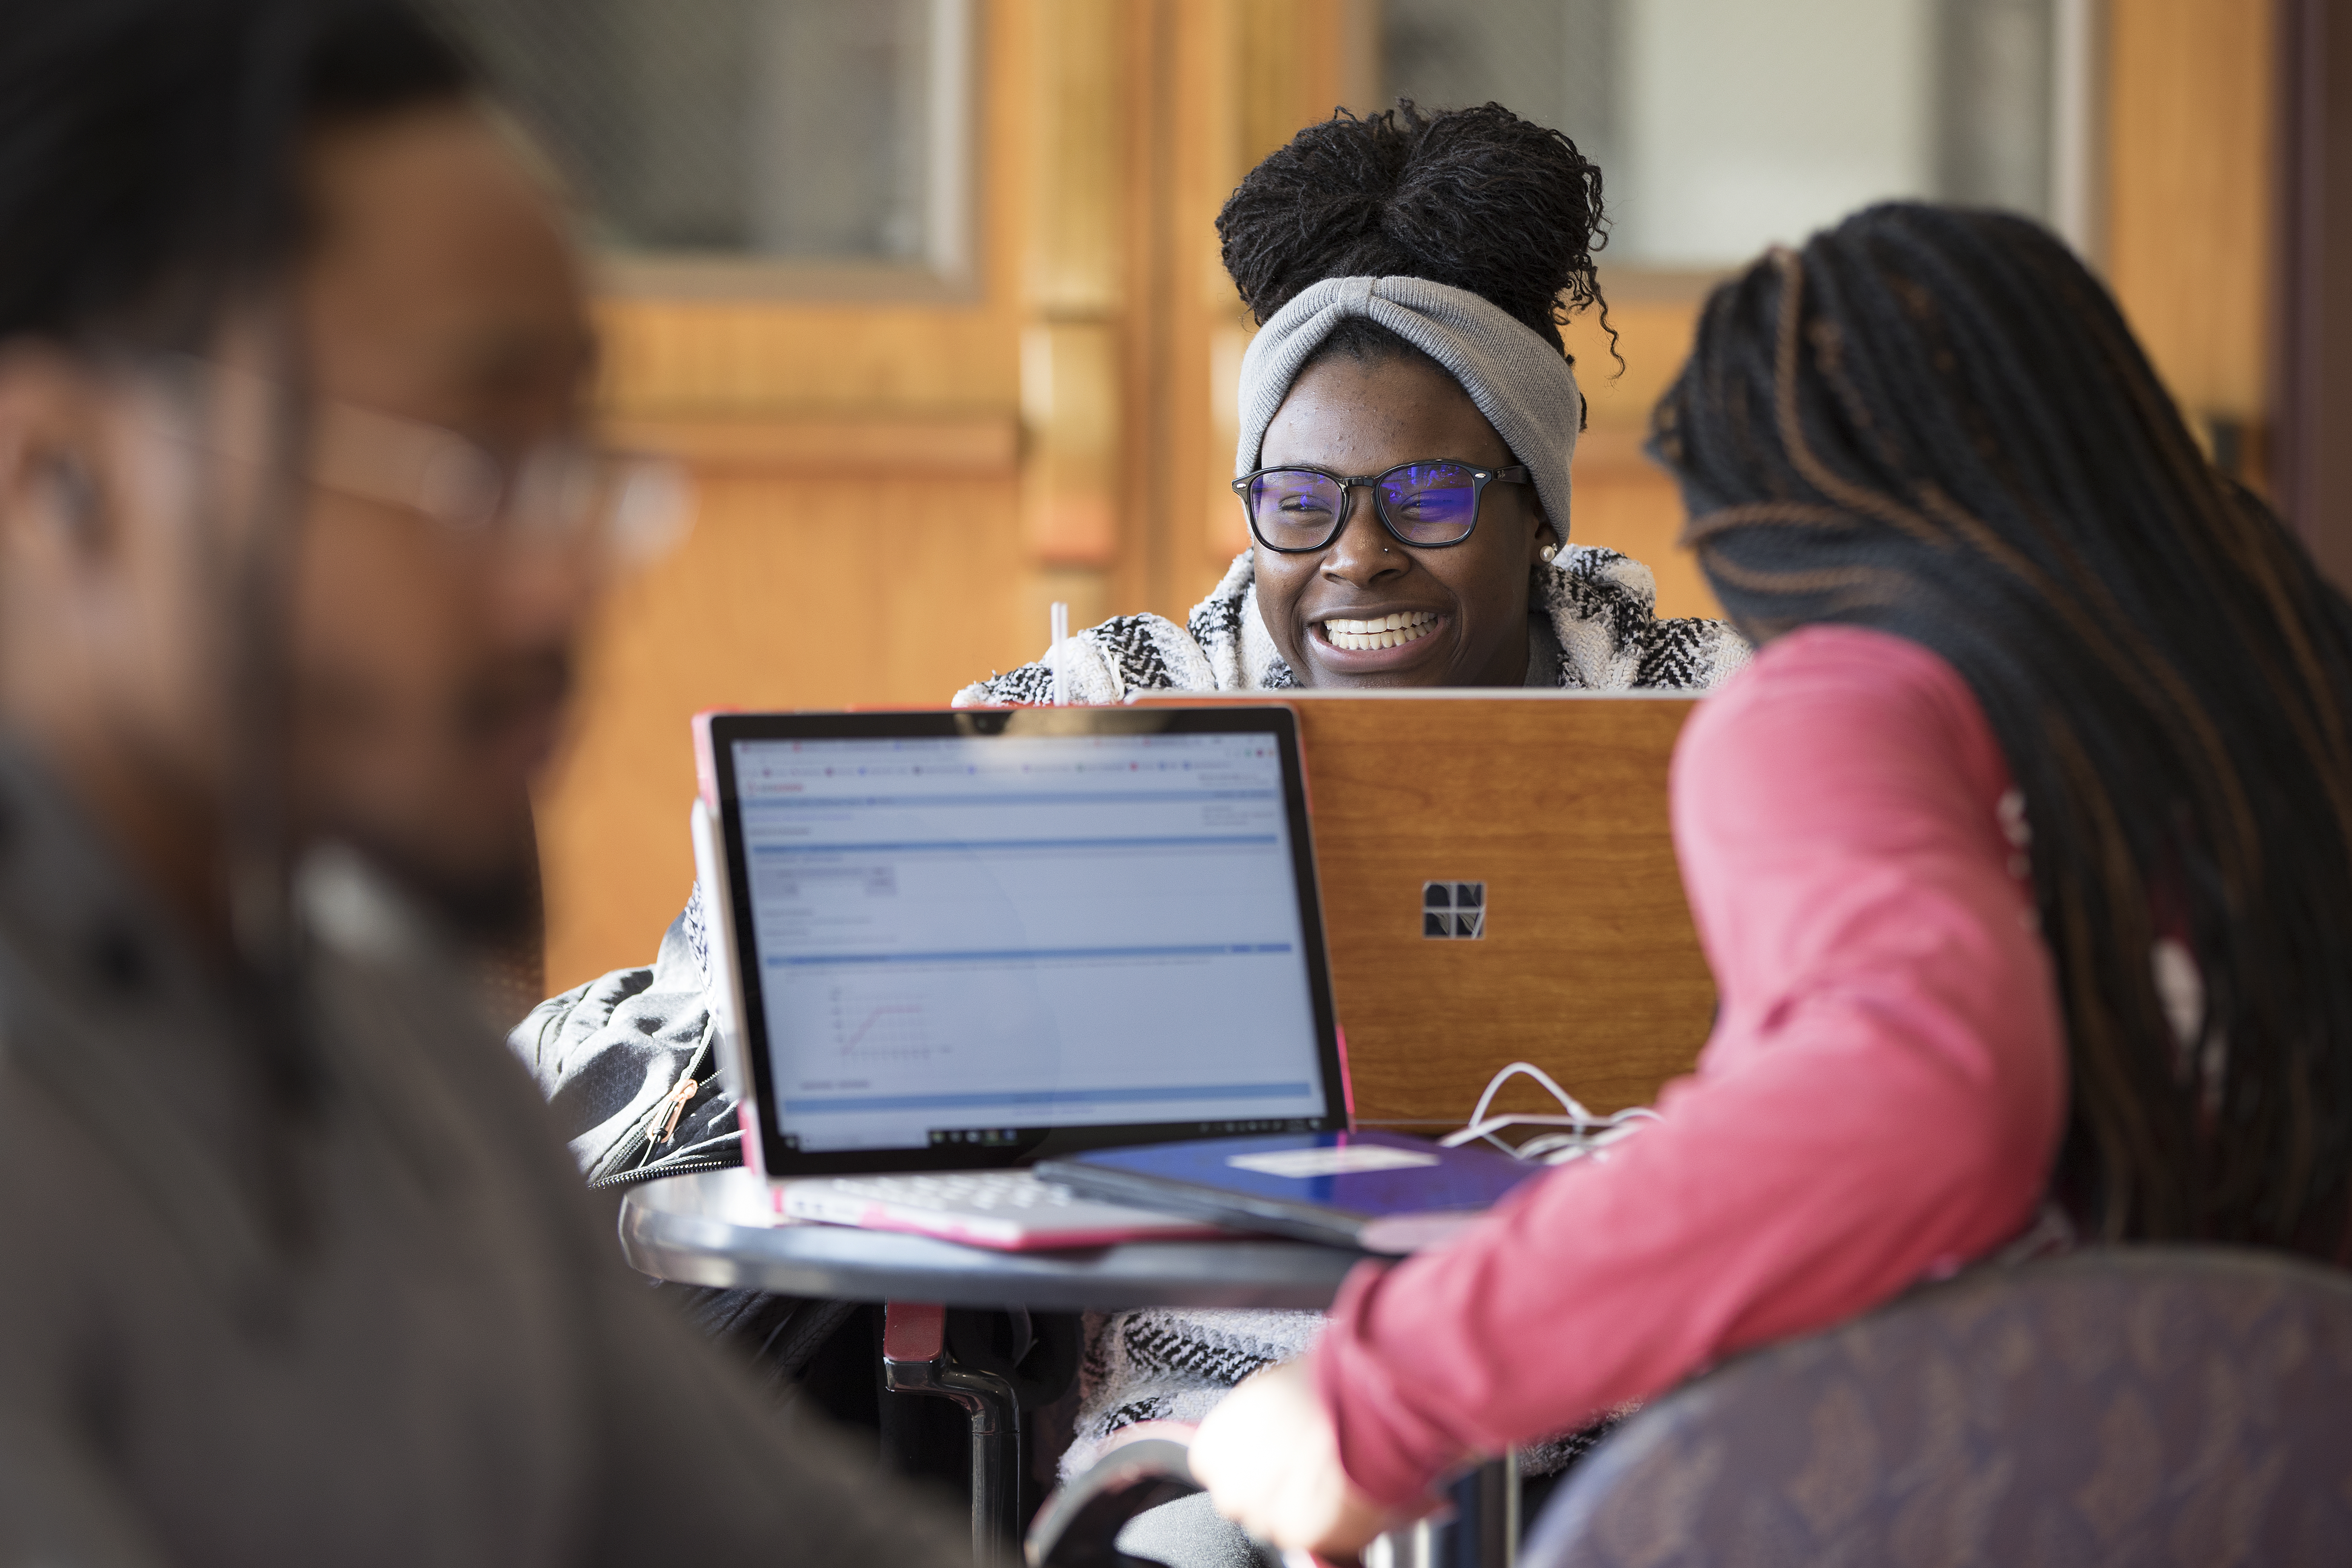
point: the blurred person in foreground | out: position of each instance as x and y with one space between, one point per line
296 525
2023 853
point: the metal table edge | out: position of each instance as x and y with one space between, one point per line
680 1242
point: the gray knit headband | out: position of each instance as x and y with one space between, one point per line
1520 382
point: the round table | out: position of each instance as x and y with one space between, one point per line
721 1228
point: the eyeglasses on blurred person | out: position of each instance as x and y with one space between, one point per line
301 510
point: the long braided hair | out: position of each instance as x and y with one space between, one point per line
1935 422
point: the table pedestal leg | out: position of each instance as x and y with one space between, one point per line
1482 1533
915 1360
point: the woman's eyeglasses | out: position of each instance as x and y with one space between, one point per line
1427 505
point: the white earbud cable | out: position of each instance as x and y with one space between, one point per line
1586 1133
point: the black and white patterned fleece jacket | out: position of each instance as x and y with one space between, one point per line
1592 616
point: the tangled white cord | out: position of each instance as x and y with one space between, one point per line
1586 1132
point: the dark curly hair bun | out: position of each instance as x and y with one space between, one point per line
1477 198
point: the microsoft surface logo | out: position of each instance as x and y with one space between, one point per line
1453 910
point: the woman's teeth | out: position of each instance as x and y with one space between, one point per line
1389 631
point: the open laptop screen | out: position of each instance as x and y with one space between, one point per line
1075 930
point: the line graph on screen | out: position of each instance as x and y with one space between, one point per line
877 1024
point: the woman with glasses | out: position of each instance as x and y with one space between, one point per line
1407 413
1408 416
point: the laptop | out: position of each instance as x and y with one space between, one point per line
1499 885
960 941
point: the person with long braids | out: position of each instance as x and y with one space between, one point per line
2022 853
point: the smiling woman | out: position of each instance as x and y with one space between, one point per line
1409 412
1408 415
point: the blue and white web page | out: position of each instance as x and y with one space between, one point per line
956 936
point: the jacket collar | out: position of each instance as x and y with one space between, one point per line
1595 601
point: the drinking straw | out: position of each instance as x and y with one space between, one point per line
1061 635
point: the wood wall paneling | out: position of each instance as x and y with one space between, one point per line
2312 373
1070 415
795 590
2191 203
1259 72
1622 501
933 446
1077 149
1074 396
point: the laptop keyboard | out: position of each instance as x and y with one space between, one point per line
991 1190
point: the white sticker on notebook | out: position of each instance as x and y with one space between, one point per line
1301 1163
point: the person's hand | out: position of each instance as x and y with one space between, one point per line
1270 1460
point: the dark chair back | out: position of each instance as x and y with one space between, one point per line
2125 1405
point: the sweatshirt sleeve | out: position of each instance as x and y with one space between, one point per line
608 1057
1881 1100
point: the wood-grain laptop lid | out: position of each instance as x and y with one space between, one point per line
1499 885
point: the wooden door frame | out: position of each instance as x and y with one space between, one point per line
2312 359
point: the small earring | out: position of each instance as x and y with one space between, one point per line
1546 552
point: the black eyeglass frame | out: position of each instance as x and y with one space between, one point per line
1479 479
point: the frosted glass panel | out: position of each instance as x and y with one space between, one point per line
1750 122
815 130
1722 126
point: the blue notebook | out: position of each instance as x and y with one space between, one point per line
1382 1192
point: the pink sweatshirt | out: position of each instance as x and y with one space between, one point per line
1881 1100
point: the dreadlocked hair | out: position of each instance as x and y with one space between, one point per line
1476 198
1936 422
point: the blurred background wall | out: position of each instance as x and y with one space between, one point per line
927 291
